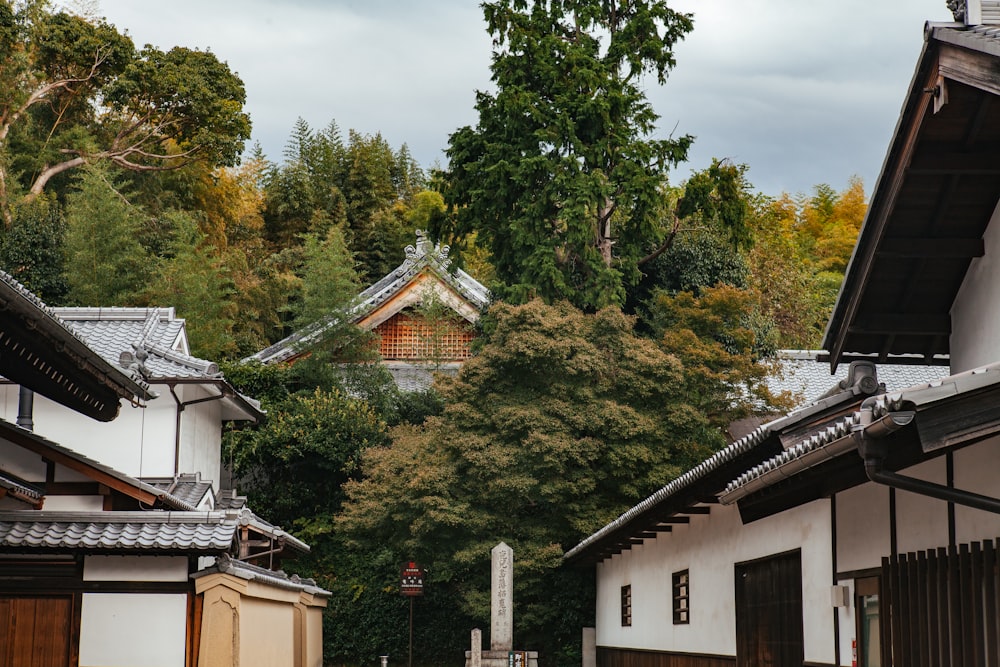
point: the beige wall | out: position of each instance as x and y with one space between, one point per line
252 624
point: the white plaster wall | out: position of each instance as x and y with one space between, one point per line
975 315
862 527
922 521
135 568
140 442
709 547
977 469
21 463
133 630
201 434
73 503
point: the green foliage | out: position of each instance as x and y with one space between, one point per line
32 250
105 262
561 422
74 91
562 164
294 465
193 280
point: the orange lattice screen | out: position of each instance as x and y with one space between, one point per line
407 335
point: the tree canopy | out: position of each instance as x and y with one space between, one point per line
76 91
561 177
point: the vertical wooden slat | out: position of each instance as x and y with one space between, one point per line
905 654
886 612
933 609
978 617
955 607
965 628
990 596
923 627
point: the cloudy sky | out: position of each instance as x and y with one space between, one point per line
802 91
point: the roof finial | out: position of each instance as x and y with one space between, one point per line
957 8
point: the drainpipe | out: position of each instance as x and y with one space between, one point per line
25 408
870 435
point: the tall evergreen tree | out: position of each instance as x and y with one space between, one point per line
562 177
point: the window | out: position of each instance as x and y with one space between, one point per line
681 596
626 606
869 648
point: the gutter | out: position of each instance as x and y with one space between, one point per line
869 434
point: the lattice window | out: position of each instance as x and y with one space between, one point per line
682 593
626 605
408 336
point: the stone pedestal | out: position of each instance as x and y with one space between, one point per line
498 658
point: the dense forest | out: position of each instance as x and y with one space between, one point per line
635 313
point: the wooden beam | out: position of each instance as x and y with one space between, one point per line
971 68
927 247
920 324
675 519
53 455
663 529
695 510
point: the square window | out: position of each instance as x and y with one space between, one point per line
626 606
681 590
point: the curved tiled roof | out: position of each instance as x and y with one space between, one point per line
117 531
277 578
801 373
425 256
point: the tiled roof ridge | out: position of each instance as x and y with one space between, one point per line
118 313
128 516
208 368
423 255
225 564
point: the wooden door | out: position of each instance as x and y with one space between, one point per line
769 612
36 631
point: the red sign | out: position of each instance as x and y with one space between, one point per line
411 579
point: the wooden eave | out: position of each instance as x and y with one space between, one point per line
937 191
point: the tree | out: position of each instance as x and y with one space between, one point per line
32 249
561 177
560 423
105 261
74 91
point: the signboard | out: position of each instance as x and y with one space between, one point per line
517 659
411 579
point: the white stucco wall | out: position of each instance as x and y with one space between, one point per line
709 547
201 434
977 469
141 441
975 315
135 568
133 630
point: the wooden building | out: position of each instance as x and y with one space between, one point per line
411 343
860 529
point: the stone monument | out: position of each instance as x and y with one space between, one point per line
501 653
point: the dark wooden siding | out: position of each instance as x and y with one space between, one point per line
621 657
942 607
37 631
769 612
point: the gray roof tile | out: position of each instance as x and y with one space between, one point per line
117 531
190 489
277 578
424 256
801 374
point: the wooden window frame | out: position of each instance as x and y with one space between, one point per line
681 588
627 605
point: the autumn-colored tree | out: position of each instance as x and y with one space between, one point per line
561 422
75 91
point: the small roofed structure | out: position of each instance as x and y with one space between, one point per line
410 345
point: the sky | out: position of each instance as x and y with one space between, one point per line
803 92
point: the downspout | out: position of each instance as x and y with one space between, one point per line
25 408
869 434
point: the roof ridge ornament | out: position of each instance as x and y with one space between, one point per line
957 8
